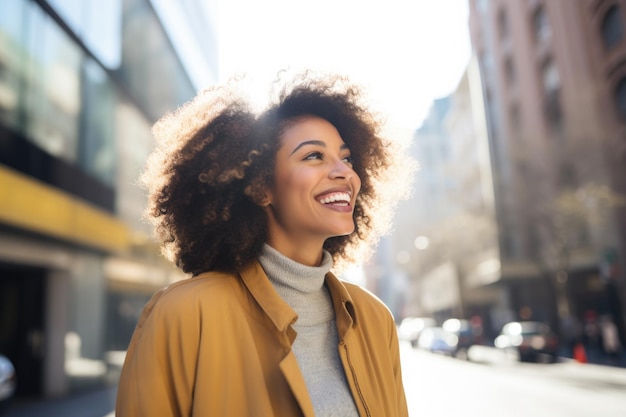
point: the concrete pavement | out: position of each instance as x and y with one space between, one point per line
101 402
96 403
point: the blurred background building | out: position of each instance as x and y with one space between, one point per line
519 209
81 83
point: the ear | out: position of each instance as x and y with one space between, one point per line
259 195
265 201
263 198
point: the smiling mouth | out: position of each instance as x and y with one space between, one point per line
336 199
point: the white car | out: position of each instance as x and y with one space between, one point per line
7 382
411 327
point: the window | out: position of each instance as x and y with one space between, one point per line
515 115
503 24
543 32
97 143
620 98
509 70
552 88
12 68
148 59
567 175
551 78
482 5
612 28
486 63
51 87
97 23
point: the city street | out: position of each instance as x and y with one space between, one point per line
439 386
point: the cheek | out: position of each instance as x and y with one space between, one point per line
290 185
300 180
356 181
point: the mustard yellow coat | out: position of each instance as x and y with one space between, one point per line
220 345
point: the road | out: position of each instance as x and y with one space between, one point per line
439 386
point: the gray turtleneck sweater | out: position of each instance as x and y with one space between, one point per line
317 340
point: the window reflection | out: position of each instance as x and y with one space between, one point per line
97 151
134 144
149 60
11 55
52 96
97 23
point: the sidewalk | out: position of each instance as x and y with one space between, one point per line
97 403
101 402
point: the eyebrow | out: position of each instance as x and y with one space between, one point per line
317 143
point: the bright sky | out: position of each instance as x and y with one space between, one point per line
405 52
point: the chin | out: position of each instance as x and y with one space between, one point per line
342 232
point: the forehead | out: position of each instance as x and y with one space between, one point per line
307 128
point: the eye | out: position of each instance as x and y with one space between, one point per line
347 159
314 155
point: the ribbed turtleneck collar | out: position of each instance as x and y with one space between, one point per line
301 286
300 277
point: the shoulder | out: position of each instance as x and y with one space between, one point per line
361 298
364 298
199 285
367 305
372 317
191 295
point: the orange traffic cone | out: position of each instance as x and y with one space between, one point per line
579 353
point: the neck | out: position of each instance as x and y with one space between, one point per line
306 253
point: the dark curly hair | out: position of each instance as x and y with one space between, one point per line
215 158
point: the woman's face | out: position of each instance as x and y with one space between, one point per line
315 187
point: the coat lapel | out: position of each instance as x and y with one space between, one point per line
282 315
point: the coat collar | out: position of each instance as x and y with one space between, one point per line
281 314
259 285
345 313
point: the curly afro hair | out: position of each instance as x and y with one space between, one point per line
215 157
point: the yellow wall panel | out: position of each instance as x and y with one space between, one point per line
33 205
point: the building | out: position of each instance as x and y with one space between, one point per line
81 84
447 243
519 204
554 80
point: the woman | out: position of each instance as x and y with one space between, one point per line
258 209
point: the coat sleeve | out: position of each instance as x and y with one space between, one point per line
158 374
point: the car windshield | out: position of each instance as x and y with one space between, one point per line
532 329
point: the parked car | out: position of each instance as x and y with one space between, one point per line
466 334
463 332
532 341
411 327
438 340
7 382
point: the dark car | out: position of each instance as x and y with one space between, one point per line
7 382
532 341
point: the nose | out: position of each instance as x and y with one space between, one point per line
341 170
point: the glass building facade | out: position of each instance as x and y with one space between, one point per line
81 83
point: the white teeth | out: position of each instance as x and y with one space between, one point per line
344 197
